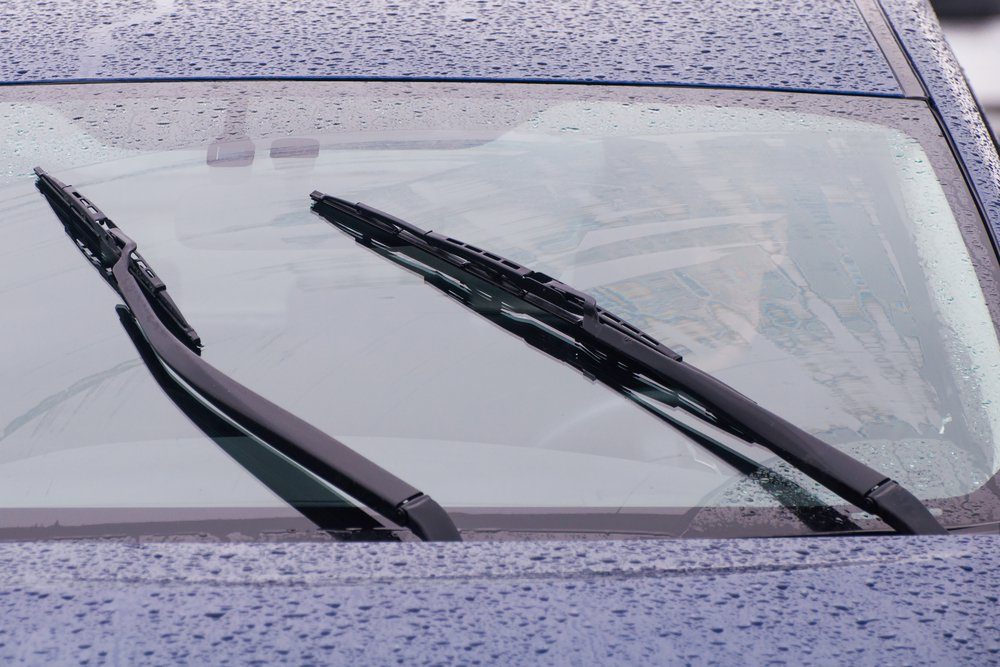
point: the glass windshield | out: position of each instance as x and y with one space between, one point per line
801 248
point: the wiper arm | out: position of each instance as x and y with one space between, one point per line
175 343
310 497
610 346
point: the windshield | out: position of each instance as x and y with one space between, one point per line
801 248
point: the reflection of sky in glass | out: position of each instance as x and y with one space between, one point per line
812 262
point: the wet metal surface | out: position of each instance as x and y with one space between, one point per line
796 45
923 40
860 600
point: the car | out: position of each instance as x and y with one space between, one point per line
471 332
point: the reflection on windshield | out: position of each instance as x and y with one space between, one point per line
811 260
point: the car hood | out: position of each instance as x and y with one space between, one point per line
828 46
901 599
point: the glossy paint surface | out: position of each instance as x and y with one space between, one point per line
797 45
826 601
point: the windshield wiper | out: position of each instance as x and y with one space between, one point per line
310 497
608 348
177 345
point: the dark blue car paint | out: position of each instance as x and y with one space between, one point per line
645 41
860 600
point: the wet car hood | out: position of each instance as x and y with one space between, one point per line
628 40
901 599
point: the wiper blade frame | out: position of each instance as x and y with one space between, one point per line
101 242
176 344
611 339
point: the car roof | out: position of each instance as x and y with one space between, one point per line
829 46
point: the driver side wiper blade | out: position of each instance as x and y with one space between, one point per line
613 342
114 254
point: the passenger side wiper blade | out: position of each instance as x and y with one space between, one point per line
175 343
804 505
619 347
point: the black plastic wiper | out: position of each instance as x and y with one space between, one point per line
101 242
608 346
175 343
313 499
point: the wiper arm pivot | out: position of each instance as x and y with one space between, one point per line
495 283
